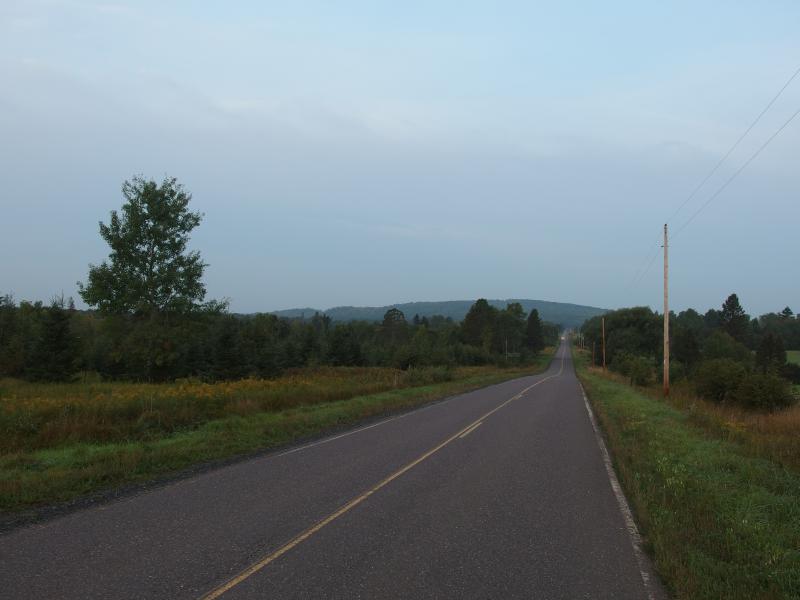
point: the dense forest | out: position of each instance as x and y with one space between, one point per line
727 355
150 321
54 342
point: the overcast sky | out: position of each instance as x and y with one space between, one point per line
376 152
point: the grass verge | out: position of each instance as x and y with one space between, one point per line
719 522
32 477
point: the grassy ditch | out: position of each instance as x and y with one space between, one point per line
60 442
718 521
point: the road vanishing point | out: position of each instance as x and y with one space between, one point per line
503 492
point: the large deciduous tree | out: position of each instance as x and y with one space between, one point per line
150 269
510 328
394 328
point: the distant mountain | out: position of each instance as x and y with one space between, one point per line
568 315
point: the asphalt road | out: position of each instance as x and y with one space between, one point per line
498 493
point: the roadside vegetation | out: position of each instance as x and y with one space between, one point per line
62 441
713 470
793 357
724 356
715 487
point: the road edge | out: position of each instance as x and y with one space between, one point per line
650 579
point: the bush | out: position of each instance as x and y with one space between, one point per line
677 371
717 379
791 371
638 369
471 355
763 392
721 345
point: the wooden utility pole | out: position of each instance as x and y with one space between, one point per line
594 363
666 312
604 343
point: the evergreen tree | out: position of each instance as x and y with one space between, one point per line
55 354
534 336
733 319
478 324
11 359
771 355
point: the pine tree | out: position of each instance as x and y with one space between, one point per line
534 336
478 324
733 319
55 354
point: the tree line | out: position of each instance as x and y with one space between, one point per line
727 355
150 321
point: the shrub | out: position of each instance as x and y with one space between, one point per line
638 369
471 355
677 371
721 345
716 379
763 391
791 371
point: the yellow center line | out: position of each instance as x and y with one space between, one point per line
470 430
299 539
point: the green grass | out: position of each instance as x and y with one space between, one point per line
70 462
719 522
793 356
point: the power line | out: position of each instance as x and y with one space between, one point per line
646 263
735 145
723 186
736 173
639 274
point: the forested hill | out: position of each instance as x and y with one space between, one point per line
567 315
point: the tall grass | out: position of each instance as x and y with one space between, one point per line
720 521
35 416
771 435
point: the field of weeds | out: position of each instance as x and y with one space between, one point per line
35 416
